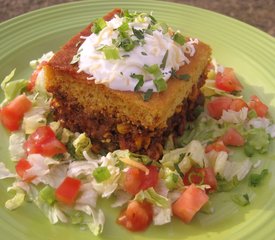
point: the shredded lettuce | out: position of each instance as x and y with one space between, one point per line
81 143
12 89
161 215
16 142
17 200
153 197
235 117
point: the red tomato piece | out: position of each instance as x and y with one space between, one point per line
201 176
228 81
68 190
11 115
237 105
44 142
136 180
260 108
133 180
233 138
217 146
189 203
21 167
150 180
217 105
137 216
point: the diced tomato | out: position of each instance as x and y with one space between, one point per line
11 115
34 76
189 203
237 105
217 146
201 176
217 105
260 108
137 216
68 190
21 167
133 180
233 138
44 142
228 81
150 180
136 180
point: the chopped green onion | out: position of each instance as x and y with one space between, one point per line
101 174
184 77
144 53
153 69
98 25
179 38
111 52
241 199
176 166
160 84
138 33
140 79
255 178
147 95
153 20
47 194
126 43
171 181
164 60
124 27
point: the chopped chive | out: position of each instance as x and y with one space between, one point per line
147 95
126 55
124 27
153 69
138 33
179 38
140 79
160 84
111 52
144 53
98 25
164 60
184 77
126 43
153 20
101 174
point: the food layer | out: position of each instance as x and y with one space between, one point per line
122 119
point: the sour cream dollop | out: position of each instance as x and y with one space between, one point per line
153 46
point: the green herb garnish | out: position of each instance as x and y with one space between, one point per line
160 84
98 25
184 77
140 79
111 52
138 33
147 95
144 53
179 38
164 60
101 174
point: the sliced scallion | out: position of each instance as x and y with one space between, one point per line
179 38
160 84
111 52
147 95
164 60
98 25
101 174
140 79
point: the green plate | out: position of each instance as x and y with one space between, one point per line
249 51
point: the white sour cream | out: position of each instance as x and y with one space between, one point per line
116 73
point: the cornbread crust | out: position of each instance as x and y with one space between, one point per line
75 97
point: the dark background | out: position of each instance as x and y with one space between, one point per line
258 13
